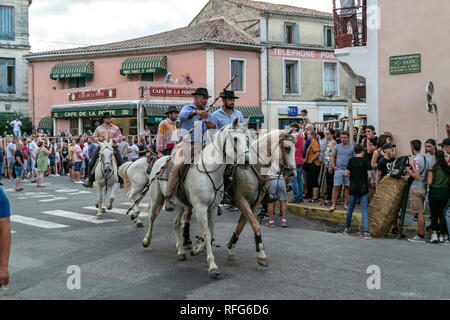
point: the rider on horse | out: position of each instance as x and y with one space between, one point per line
189 114
105 133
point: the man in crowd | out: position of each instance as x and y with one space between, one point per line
277 188
52 158
369 146
446 148
5 238
384 166
167 133
189 114
16 125
78 160
297 183
417 193
340 157
123 149
86 156
105 132
33 148
349 15
18 165
10 151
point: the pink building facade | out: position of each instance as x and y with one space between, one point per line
137 80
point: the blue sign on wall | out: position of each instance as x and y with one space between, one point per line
293 111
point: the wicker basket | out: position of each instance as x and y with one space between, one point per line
344 40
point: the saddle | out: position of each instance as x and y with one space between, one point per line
181 194
151 159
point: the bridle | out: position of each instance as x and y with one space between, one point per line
284 165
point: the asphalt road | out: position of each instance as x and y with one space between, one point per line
305 262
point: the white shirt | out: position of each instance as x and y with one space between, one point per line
17 124
274 171
32 146
134 151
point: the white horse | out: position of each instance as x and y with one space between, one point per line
246 190
106 178
134 175
203 188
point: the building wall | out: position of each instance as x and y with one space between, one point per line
47 92
15 49
410 27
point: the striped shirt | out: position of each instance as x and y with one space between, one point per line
167 135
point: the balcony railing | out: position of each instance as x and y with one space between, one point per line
346 20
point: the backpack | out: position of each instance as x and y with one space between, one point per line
398 167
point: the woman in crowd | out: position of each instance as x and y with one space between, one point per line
70 162
312 170
133 150
378 154
2 160
439 180
42 155
322 144
25 153
331 143
65 158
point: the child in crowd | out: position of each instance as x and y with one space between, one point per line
359 171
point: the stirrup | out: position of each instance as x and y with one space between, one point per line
170 205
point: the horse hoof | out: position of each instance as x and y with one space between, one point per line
146 242
214 273
99 217
231 257
182 257
139 224
262 262
109 207
96 205
134 216
193 253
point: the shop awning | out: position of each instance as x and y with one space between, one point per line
46 124
94 111
144 65
73 70
156 113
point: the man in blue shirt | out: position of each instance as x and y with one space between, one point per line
227 113
5 238
188 115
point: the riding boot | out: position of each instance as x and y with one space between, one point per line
171 188
91 176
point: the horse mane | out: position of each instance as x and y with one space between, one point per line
275 136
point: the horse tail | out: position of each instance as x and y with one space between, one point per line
123 169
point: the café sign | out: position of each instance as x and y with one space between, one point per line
91 113
171 92
91 95
410 63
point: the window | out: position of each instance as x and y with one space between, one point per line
237 68
291 33
291 77
6 23
328 36
77 83
330 79
147 77
7 76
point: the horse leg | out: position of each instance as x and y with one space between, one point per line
154 211
100 201
235 237
135 214
187 243
112 195
177 229
202 216
245 209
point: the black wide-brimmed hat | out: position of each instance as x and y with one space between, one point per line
106 115
445 142
228 94
201 92
172 109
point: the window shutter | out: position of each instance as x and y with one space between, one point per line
6 23
286 34
237 69
329 79
3 75
296 35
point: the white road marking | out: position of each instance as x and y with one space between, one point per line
79 192
77 216
54 199
67 190
142 204
117 210
36 222
12 231
9 190
34 197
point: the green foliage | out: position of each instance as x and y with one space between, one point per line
7 117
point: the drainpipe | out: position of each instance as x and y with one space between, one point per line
32 95
80 126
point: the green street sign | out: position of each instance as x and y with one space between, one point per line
410 63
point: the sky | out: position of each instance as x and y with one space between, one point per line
61 24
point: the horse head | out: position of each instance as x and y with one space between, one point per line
106 155
232 140
287 154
